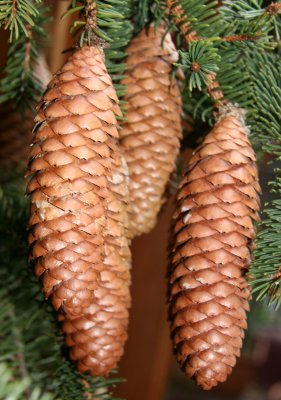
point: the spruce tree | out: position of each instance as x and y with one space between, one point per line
229 54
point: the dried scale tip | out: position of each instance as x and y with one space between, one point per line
78 223
214 230
151 133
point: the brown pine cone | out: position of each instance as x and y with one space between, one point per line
214 230
150 136
79 224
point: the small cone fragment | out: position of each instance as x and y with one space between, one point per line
79 224
214 229
150 135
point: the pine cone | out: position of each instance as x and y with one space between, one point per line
150 137
217 204
79 224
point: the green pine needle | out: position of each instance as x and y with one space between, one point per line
15 15
114 31
200 60
20 84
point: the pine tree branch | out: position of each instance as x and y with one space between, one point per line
20 82
109 24
236 29
213 88
16 14
16 389
90 16
241 38
265 73
184 25
190 35
94 16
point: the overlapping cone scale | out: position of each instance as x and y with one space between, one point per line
150 136
79 224
213 234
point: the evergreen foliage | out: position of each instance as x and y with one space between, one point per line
17 389
265 72
109 23
20 83
239 43
17 15
197 63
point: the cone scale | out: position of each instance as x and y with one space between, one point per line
79 197
213 234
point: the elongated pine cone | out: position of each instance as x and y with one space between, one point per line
79 224
150 137
214 230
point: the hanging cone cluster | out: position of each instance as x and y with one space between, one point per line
217 204
150 137
79 224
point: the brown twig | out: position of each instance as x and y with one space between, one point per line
91 15
190 35
277 275
273 8
14 8
181 21
176 10
240 38
213 89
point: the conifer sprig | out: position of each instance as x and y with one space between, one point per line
94 19
198 63
18 389
231 32
16 15
265 274
265 72
20 83
107 23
